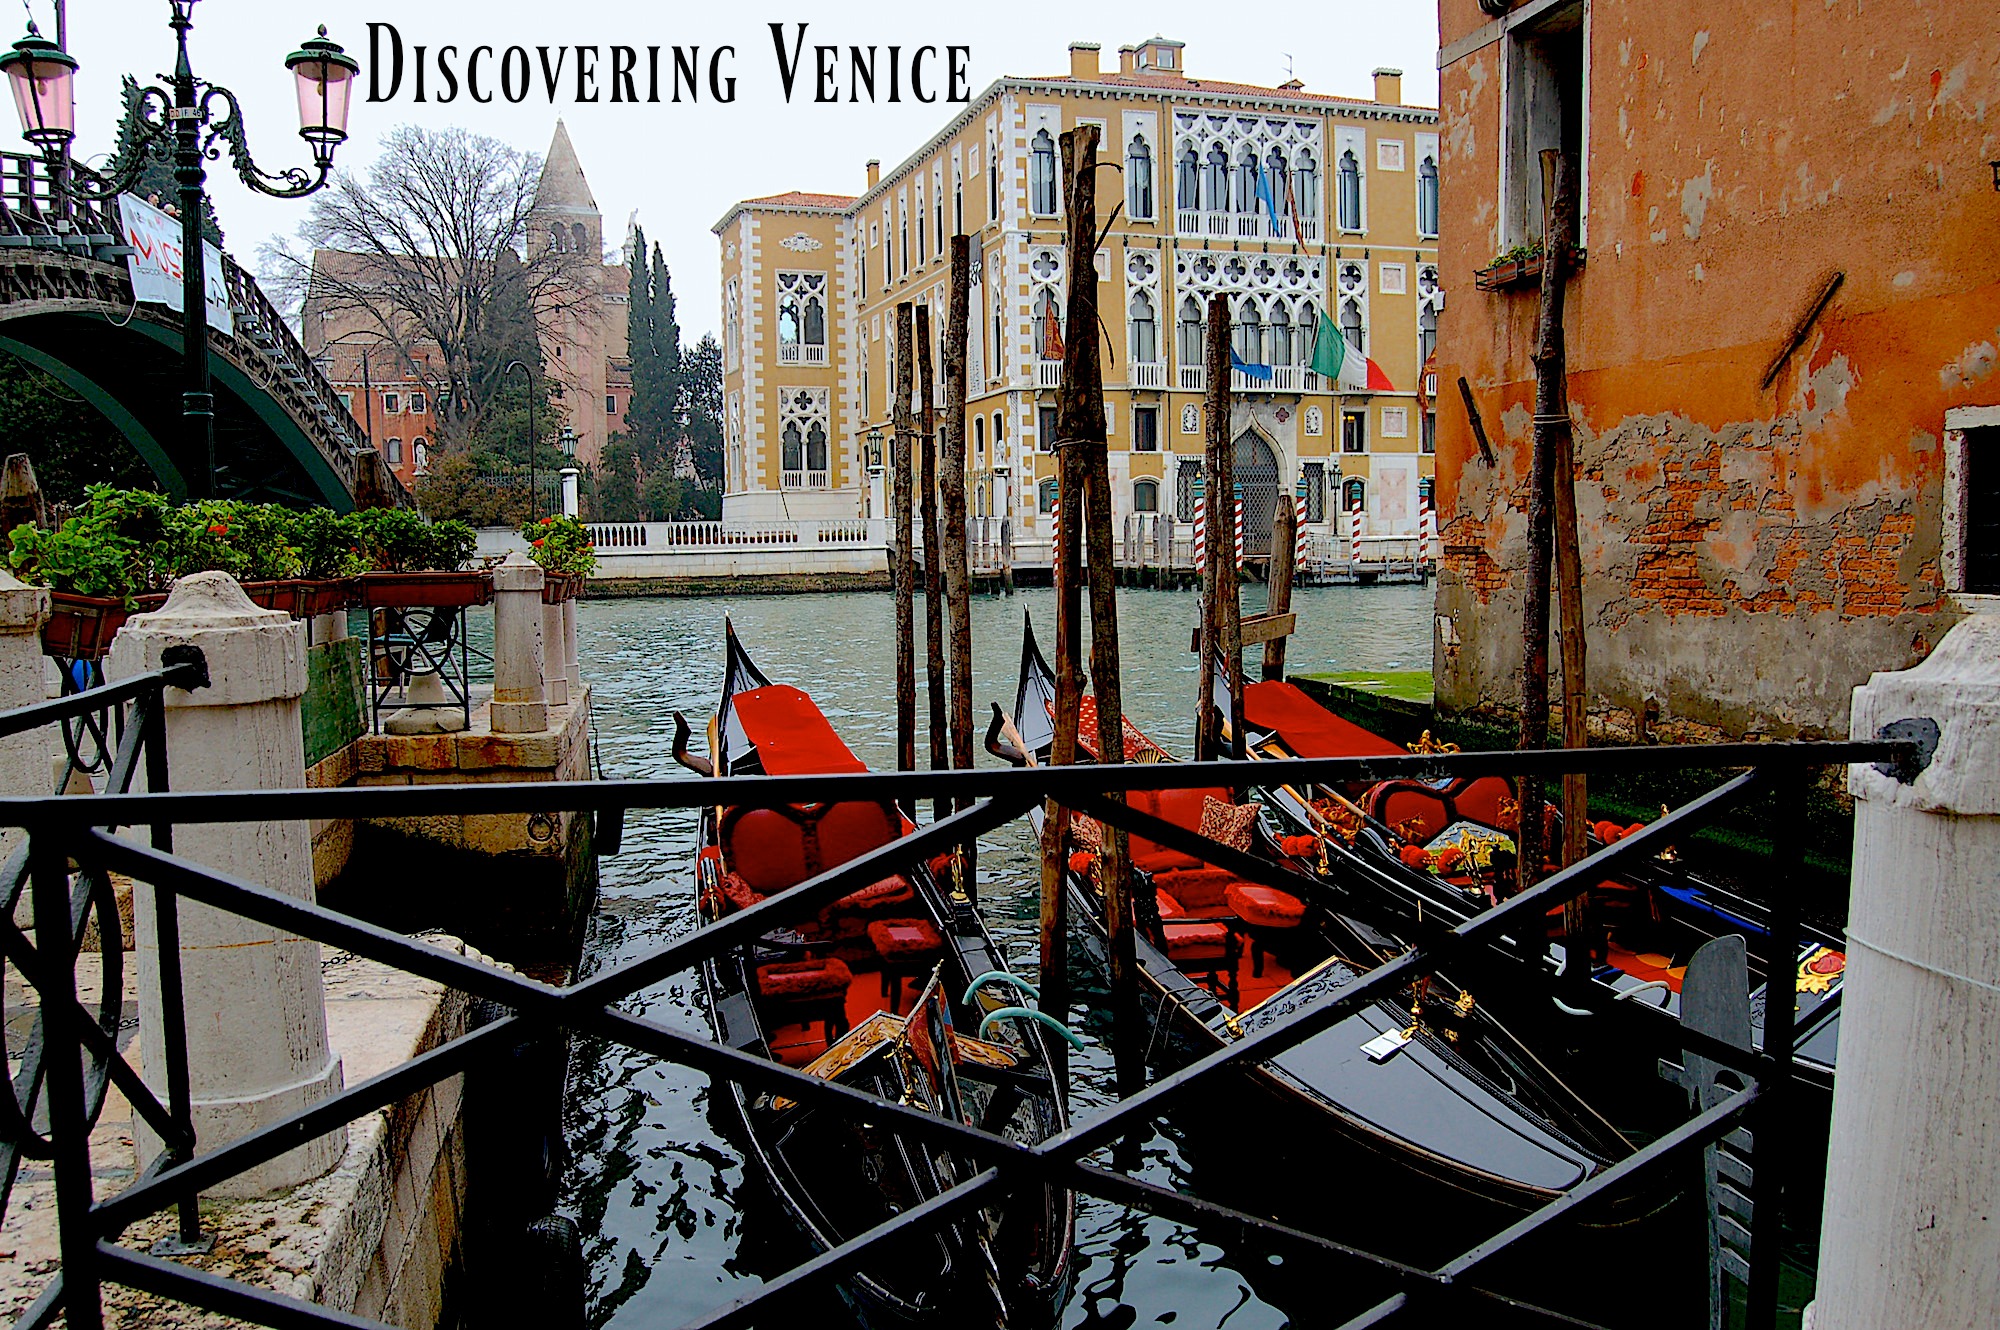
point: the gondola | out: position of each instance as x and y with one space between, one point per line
1392 843
1450 1111
896 990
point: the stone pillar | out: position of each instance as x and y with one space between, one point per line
572 667
24 758
570 505
1909 1236
555 657
256 1009
520 693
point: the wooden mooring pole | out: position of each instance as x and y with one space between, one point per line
1222 619
1284 568
934 668
902 558
957 567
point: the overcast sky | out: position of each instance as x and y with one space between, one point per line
680 167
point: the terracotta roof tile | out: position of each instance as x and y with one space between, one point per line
800 199
1182 83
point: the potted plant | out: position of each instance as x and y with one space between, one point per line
98 565
1519 266
419 563
563 547
329 558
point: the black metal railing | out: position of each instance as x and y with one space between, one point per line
79 830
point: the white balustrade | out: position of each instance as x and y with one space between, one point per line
815 355
1193 378
1048 374
1146 374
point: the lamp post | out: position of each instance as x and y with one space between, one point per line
569 441
202 117
522 365
367 380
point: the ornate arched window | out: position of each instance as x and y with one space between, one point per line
582 235
788 321
1354 494
1190 332
1145 496
1139 179
793 442
1246 181
957 199
1427 333
1045 495
1350 323
815 322
1042 175
1305 184
1250 334
816 447
1187 188
1350 192
921 249
1427 196
1215 181
979 440
1281 335
1145 331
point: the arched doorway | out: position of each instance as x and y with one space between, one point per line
1257 473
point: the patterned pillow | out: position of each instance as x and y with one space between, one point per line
1086 832
1228 824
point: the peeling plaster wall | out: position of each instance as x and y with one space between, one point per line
1749 555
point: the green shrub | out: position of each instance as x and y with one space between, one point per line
329 544
108 547
252 542
560 544
400 541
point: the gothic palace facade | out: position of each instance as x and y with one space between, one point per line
1291 203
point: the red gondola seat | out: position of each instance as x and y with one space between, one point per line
806 991
777 848
908 948
1265 907
1180 807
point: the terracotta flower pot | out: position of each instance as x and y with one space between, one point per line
559 587
435 590
81 627
304 598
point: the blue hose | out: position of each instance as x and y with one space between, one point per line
987 978
1029 1013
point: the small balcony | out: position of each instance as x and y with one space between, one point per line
1148 375
805 480
794 353
1048 374
1192 378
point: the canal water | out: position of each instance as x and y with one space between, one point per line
674 1225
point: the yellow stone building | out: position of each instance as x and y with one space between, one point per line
1292 203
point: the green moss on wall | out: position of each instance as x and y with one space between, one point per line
334 713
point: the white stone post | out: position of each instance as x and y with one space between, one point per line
570 504
256 1008
24 758
554 657
520 690
572 667
1911 1229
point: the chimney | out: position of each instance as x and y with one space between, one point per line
874 172
1292 85
1083 60
1389 87
1128 57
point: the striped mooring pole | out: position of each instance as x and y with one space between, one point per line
1200 525
1354 512
1299 544
1239 528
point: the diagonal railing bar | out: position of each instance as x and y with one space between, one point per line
45 1308
227 1297
1268 1042
21 720
831 1264
1692 1135
160 1190
1026 784
742 926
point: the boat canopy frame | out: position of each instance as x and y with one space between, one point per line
76 1059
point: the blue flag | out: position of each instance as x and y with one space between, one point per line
1268 197
1259 373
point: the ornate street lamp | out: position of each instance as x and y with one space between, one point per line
203 118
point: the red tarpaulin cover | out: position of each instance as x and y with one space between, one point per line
792 737
1308 728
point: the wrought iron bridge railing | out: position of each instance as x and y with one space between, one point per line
71 1055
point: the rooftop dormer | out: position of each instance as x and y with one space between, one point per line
1159 55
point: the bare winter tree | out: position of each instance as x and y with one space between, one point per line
433 255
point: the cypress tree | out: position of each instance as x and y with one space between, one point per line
156 178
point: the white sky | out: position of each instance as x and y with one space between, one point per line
681 166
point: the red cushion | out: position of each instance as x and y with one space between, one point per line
791 735
1169 907
903 939
776 848
1395 802
1180 807
1307 728
1191 942
891 893
1481 801
1198 888
1265 907
804 981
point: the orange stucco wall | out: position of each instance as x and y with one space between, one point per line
1749 554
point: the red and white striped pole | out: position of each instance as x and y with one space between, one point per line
1354 513
1200 526
1428 526
1300 544
1239 528
1055 534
